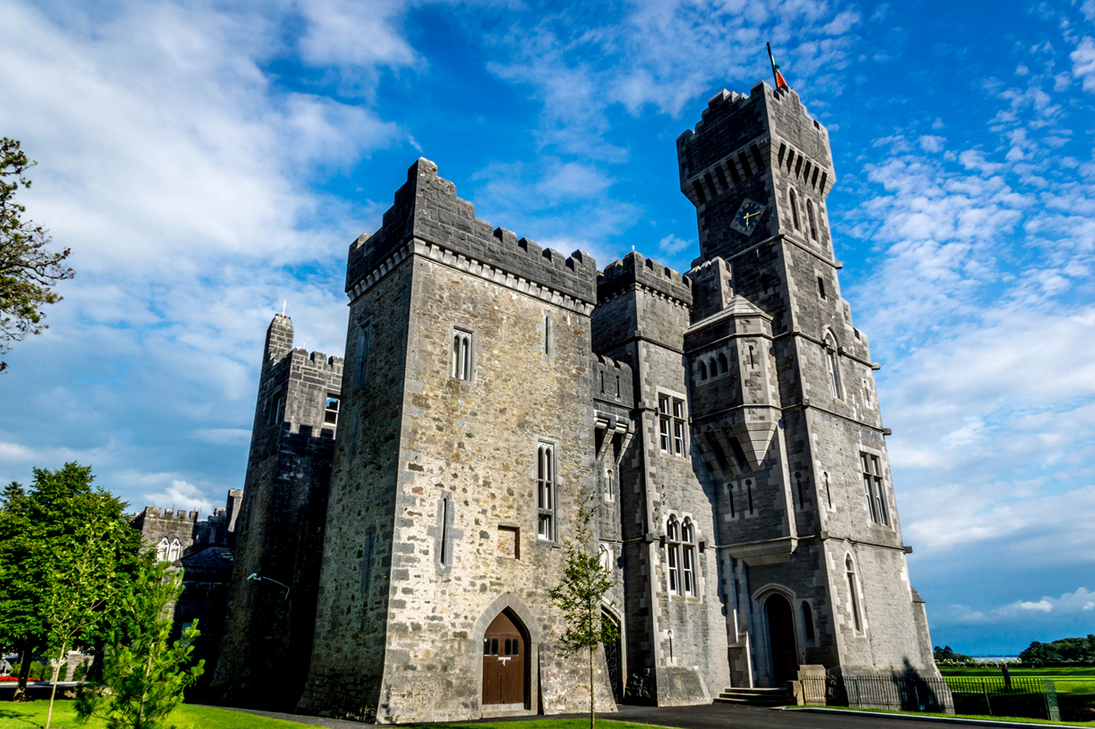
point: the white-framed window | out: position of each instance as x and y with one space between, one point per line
330 411
688 556
174 552
671 425
161 550
545 491
673 554
461 355
853 594
871 465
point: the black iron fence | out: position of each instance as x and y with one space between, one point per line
1025 697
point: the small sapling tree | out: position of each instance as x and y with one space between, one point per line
144 672
580 595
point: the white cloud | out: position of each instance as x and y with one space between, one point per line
672 245
1083 63
180 495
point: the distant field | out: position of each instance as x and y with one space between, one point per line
1066 680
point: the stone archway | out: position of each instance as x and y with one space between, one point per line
783 649
507 618
505 662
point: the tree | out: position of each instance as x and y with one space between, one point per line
144 673
66 549
947 654
28 271
580 595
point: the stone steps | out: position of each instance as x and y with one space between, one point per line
754 696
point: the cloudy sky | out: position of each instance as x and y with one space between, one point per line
208 161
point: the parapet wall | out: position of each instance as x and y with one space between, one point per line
612 382
635 268
427 208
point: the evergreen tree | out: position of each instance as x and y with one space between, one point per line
580 595
144 673
28 270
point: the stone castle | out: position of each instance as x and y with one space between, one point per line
405 507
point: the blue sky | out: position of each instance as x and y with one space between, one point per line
208 161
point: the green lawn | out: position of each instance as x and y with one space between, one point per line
1022 719
1066 680
32 715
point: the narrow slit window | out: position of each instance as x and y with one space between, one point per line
810 219
749 493
547 334
807 622
821 287
853 593
362 356
794 211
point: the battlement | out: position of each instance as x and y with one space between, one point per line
317 361
155 512
427 208
738 135
635 268
612 382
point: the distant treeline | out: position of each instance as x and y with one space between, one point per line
1066 650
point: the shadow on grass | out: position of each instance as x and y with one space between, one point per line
17 717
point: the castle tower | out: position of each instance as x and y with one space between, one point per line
270 616
676 638
471 442
784 410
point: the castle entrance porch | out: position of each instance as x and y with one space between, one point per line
781 636
505 656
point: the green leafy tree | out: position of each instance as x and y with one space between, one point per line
28 270
144 672
1065 650
66 549
580 595
947 654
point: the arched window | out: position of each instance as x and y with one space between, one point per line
545 491
174 551
832 365
673 554
853 593
703 371
712 366
794 210
722 364
810 218
807 622
688 557
161 550
461 355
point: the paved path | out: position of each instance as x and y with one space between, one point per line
714 716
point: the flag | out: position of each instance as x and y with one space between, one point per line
780 83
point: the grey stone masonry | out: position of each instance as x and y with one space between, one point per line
793 439
723 423
272 596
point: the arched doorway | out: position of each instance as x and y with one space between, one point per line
613 659
781 637
505 656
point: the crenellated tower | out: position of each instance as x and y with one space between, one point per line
789 432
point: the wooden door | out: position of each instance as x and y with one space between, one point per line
781 633
504 652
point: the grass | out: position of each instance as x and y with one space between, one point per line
1021 719
32 715
1065 680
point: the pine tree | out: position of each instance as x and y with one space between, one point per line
144 672
580 595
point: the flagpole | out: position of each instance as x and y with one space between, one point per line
772 61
